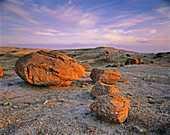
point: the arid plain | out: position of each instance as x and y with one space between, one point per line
29 109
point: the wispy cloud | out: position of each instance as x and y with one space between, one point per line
18 11
51 30
103 5
69 16
165 11
45 33
131 21
121 36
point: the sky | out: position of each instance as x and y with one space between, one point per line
137 25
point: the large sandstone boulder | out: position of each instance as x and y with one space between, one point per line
131 61
103 89
105 76
48 69
113 108
87 67
1 71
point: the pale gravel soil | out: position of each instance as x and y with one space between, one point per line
148 92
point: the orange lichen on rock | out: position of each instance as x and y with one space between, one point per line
1 71
103 89
51 103
105 76
111 107
47 102
48 69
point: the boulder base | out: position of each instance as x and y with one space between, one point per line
48 69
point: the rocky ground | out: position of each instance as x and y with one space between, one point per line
28 109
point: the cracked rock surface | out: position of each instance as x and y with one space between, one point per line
111 107
48 69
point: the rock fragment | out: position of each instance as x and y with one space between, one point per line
62 100
140 129
15 107
7 103
152 61
9 84
47 102
128 55
122 65
91 128
106 53
1 71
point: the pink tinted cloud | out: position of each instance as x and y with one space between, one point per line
45 33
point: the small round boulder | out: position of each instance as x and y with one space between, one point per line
103 89
113 108
131 61
105 76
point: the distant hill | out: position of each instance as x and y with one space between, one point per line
18 51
